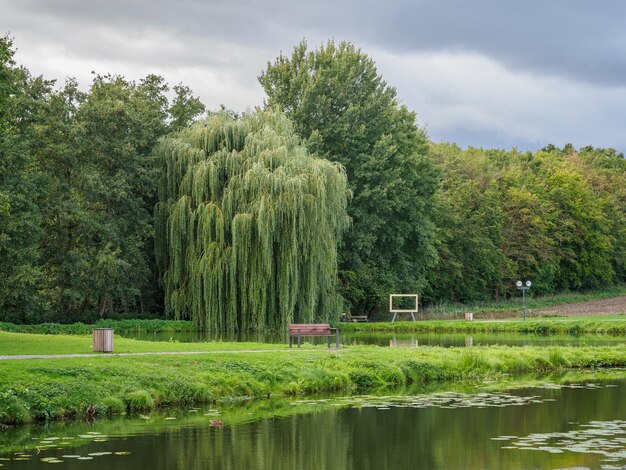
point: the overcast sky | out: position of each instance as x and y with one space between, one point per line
486 73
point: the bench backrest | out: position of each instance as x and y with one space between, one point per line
309 329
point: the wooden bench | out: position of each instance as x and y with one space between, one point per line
313 329
358 318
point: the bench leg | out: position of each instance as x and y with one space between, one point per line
290 341
328 338
298 338
336 339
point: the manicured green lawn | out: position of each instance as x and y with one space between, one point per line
23 343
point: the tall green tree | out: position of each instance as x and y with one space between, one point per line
247 225
98 174
23 100
555 216
62 210
344 110
583 232
117 127
470 230
608 179
185 107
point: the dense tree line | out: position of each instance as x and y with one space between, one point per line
77 192
556 216
79 180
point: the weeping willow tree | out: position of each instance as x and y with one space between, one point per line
247 225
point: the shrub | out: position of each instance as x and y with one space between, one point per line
139 400
422 372
556 358
391 374
321 379
201 393
290 389
473 362
151 326
111 406
12 410
365 379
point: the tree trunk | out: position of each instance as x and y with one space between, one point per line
107 303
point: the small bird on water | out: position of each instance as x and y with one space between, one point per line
216 423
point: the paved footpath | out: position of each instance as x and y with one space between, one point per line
172 353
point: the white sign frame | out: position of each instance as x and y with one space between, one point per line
395 311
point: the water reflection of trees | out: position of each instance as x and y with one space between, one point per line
369 439
357 438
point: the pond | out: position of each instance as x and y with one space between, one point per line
395 339
578 424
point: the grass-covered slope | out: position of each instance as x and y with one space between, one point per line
64 387
572 325
27 344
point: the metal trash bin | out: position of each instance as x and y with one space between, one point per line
103 340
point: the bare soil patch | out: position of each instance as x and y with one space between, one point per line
613 306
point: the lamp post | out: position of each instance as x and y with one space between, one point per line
523 286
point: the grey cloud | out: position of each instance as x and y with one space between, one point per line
576 38
220 47
581 39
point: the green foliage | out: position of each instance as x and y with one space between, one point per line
542 326
470 233
422 372
344 109
79 184
557 359
247 225
473 362
22 105
20 343
77 192
139 400
12 410
117 125
150 326
185 107
53 389
111 406
556 217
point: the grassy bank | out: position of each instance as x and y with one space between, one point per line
20 343
52 389
605 324
149 326
76 432
541 326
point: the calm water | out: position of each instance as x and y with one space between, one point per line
581 425
397 340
